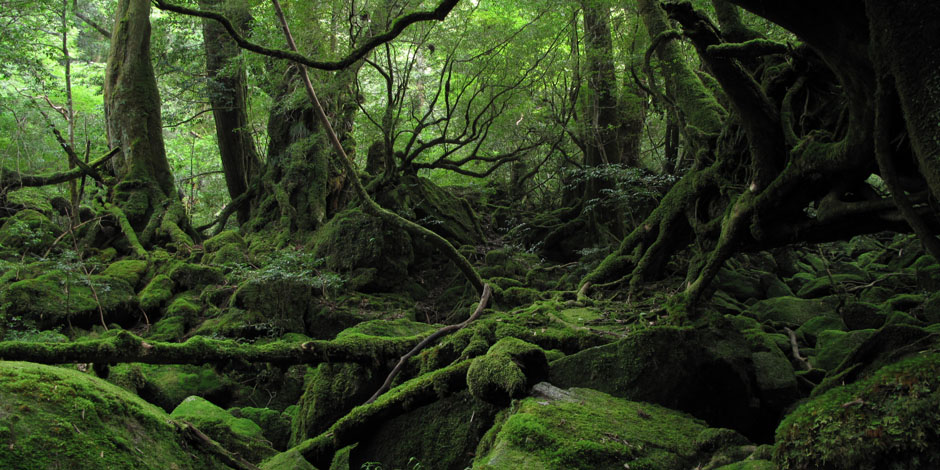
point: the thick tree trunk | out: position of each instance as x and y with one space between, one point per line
146 193
228 96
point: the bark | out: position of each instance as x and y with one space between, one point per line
228 96
146 192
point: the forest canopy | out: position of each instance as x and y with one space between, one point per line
332 220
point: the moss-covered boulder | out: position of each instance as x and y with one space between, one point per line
28 231
156 293
706 372
791 311
275 425
168 385
238 435
373 255
506 371
586 429
56 297
833 346
439 209
889 420
228 247
442 435
131 271
51 417
191 276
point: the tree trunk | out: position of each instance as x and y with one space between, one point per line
228 96
146 193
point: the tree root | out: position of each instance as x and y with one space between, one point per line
199 439
362 420
127 229
126 347
484 299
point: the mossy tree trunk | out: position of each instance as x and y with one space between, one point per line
228 95
145 192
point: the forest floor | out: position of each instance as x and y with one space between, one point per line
249 352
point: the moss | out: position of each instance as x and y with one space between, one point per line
330 391
441 435
704 372
239 435
186 306
374 255
811 329
290 460
825 285
902 318
48 300
775 378
507 371
591 430
275 425
834 346
28 231
167 385
889 420
156 293
224 238
750 465
191 276
131 271
168 328
792 311
227 255
52 417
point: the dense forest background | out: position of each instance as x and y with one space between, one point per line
469 234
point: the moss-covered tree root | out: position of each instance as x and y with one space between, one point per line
126 347
484 299
363 420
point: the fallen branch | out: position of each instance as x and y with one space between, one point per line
197 437
484 299
796 350
15 180
125 347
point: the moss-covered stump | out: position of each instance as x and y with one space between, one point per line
57 297
28 231
708 373
52 417
506 371
890 420
442 435
586 429
239 435
373 255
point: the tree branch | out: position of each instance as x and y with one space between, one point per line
439 13
14 180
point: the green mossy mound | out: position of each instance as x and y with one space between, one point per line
373 255
275 425
442 435
791 311
708 373
168 385
55 298
226 248
191 276
507 371
52 417
132 271
28 231
156 293
890 420
587 429
239 435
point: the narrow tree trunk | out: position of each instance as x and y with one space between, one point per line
228 96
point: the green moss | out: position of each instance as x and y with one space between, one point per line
775 378
591 430
224 238
131 271
47 300
290 460
889 420
53 417
190 276
28 231
167 385
811 329
750 465
832 346
330 391
275 425
792 311
168 328
185 306
496 377
156 293
238 435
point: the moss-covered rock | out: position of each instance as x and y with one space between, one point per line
275 425
833 346
49 300
191 276
330 391
705 372
131 271
290 460
238 435
52 417
587 429
811 329
226 248
889 420
28 231
792 311
374 255
156 293
168 385
507 371
168 328
442 435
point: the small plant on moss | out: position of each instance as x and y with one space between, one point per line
292 265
